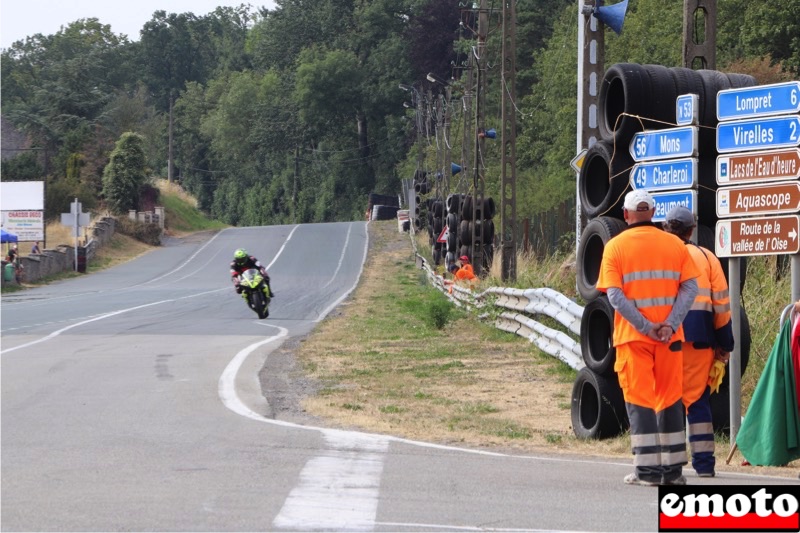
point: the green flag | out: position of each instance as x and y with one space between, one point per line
770 432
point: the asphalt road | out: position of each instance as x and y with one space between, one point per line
131 401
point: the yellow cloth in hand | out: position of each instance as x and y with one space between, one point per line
715 375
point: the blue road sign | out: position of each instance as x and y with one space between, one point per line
662 175
687 109
758 134
760 101
664 144
667 200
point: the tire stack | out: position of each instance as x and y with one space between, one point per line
383 206
453 206
476 225
436 222
632 98
421 187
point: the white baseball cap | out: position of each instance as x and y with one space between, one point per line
635 199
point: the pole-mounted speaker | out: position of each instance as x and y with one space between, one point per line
611 16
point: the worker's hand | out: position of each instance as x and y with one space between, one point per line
722 355
661 332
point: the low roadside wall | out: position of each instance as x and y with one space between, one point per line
62 258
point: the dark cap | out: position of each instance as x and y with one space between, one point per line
681 215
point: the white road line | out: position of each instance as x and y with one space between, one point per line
339 489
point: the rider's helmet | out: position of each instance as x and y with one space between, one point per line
240 256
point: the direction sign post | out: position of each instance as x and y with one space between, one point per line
757 236
664 201
761 101
758 134
664 144
662 175
758 166
772 199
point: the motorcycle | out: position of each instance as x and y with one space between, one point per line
255 292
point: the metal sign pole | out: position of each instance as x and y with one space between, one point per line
735 364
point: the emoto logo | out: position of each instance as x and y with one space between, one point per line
729 508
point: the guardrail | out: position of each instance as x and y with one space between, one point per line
514 311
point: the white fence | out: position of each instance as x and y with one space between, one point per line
514 311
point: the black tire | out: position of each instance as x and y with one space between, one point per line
466 208
489 208
663 94
597 326
258 303
624 89
590 253
454 203
598 408
464 234
603 179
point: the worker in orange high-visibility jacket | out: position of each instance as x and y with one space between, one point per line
708 336
649 277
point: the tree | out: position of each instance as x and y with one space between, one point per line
125 173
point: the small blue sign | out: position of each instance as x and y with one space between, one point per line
664 144
686 109
758 134
667 200
760 101
662 175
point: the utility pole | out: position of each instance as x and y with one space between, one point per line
294 185
480 103
508 189
591 65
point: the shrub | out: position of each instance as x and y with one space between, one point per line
141 231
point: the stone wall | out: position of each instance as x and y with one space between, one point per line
62 258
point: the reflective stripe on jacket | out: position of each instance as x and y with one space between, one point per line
709 321
649 265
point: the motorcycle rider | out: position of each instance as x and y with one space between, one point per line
243 261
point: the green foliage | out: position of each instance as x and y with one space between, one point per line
125 173
24 167
439 310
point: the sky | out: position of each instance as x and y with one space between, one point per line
23 18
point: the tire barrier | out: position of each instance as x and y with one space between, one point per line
603 179
597 326
590 253
598 408
384 212
384 199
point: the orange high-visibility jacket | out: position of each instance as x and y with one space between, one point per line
649 265
708 323
465 272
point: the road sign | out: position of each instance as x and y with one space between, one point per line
758 134
444 234
667 200
662 175
577 161
772 199
757 236
686 109
760 101
664 144
758 166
